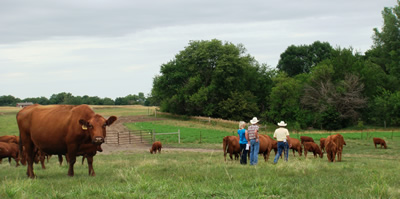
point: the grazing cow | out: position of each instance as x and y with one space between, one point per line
230 144
10 139
322 143
312 147
330 148
265 146
59 129
306 139
156 147
380 141
296 145
9 150
339 140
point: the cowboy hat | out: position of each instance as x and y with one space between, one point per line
282 123
254 120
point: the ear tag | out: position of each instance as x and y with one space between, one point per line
84 127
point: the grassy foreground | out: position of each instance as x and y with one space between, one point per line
365 172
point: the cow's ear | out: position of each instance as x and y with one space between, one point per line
84 124
111 120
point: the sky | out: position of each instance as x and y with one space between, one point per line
115 48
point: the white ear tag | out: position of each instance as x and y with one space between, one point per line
84 127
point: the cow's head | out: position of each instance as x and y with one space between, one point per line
96 127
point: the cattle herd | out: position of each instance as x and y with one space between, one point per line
77 131
332 146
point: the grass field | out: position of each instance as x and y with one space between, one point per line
365 172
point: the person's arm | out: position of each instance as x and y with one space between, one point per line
256 133
247 136
288 141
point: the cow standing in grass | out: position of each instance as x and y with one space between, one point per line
380 141
156 147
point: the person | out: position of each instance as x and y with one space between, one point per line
253 140
281 134
243 142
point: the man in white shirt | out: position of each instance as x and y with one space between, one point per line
282 136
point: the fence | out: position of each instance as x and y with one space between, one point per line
129 137
136 136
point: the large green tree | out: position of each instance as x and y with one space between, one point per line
207 78
300 59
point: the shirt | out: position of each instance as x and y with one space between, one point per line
280 134
242 135
252 131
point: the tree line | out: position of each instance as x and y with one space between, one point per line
68 98
313 85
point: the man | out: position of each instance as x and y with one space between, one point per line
252 138
282 136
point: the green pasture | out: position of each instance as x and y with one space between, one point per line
365 172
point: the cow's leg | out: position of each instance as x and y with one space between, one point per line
375 145
293 153
42 158
305 153
90 164
72 150
30 155
83 158
60 159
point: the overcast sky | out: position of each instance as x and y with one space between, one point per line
113 48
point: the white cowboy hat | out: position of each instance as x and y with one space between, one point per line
282 123
254 120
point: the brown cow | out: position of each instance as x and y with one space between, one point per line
10 139
296 145
59 129
330 148
306 139
312 147
230 144
322 143
265 146
380 141
9 150
339 140
156 147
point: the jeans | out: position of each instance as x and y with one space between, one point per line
243 157
282 146
254 149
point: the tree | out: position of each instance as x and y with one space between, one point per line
204 76
300 59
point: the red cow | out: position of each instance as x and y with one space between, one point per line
265 146
59 129
380 141
322 143
230 144
312 147
10 139
156 147
9 150
296 145
330 148
306 139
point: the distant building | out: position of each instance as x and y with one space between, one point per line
23 104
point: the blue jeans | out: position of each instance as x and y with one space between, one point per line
282 146
254 149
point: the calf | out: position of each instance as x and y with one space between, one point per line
380 141
306 139
312 147
156 147
9 150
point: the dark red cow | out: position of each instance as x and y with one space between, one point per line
60 129
9 150
10 139
306 139
380 141
312 147
230 144
296 145
156 147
